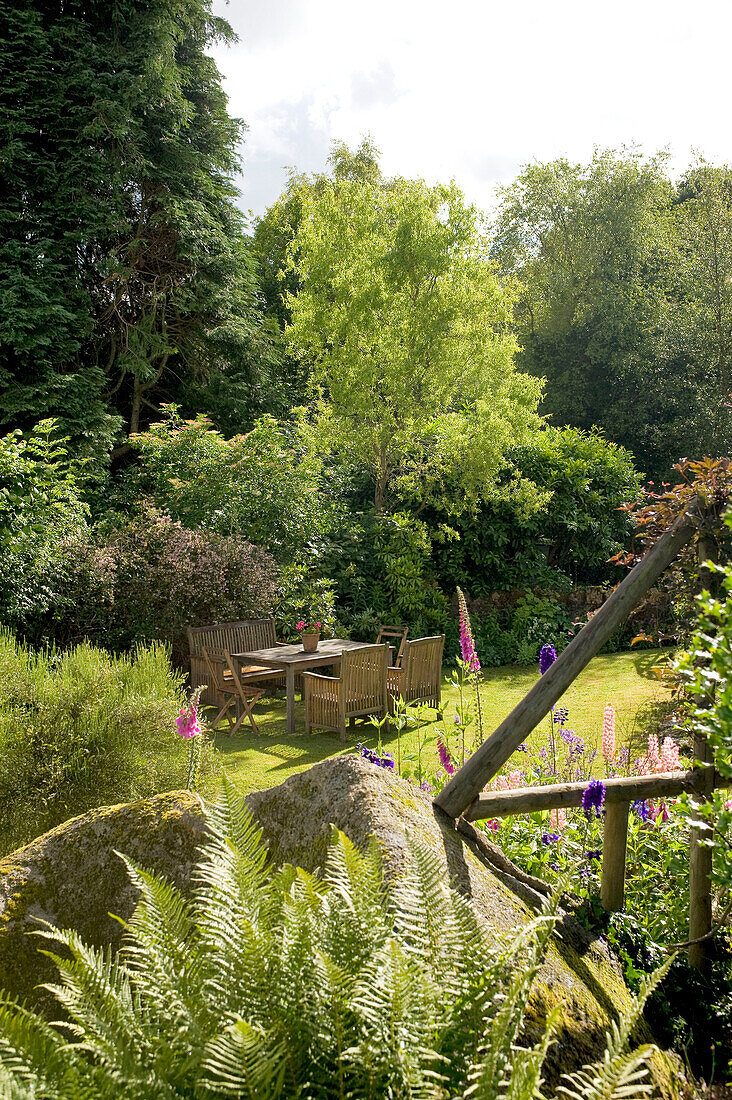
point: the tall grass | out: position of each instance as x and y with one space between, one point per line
83 728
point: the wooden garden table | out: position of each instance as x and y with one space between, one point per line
293 658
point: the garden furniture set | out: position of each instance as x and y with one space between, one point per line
232 660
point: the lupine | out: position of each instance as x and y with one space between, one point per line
515 780
500 783
549 838
557 819
608 733
669 755
593 798
654 756
547 657
492 824
467 643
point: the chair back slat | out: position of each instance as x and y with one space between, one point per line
363 679
421 678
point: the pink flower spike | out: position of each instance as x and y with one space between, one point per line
654 756
492 824
187 723
608 733
669 756
557 820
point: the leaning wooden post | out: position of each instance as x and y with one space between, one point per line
700 856
615 842
467 784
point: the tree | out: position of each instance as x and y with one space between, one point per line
700 321
594 247
409 335
124 273
274 234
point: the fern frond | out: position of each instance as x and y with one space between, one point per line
619 1075
244 1061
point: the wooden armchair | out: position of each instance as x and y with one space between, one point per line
360 690
395 632
226 681
221 639
419 680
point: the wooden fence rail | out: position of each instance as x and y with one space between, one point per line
465 795
526 800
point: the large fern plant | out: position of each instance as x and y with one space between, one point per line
276 983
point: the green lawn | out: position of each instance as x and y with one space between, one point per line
626 680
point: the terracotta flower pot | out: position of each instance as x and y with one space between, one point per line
310 642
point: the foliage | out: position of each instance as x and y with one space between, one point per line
265 485
270 984
593 247
274 234
700 320
706 669
124 271
702 489
158 578
408 333
40 509
584 481
382 571
302 594
83 728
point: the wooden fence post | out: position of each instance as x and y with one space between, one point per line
615 841
700 856
467 784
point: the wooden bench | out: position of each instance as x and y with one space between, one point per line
218 641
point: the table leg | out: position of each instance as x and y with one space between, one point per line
290 691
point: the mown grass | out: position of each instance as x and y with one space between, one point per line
627 680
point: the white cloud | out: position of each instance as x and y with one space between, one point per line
472 89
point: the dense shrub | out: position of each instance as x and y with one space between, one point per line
83 728
40 509
568 540
265 486
383 572
152 578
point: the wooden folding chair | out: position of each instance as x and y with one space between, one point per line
226 681
399 632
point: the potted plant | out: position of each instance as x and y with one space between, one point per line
309 635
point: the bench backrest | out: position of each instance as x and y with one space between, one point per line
232 637
220 639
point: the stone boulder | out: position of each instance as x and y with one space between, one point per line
72 877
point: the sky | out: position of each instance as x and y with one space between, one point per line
471 90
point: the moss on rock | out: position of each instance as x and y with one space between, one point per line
72 877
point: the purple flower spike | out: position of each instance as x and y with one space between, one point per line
547 657
593 799
642 809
